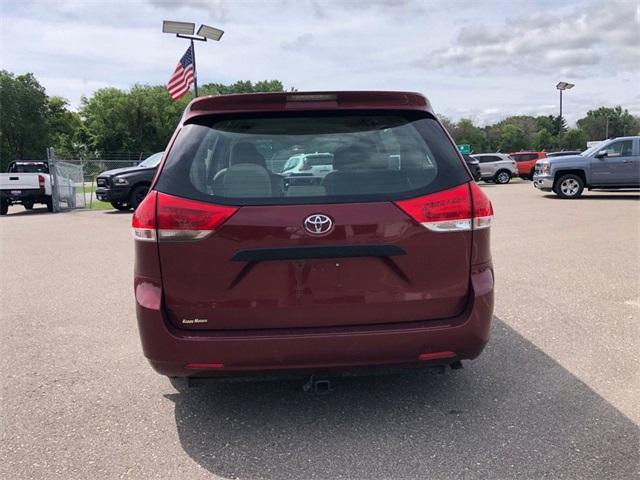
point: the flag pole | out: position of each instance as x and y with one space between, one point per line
195 72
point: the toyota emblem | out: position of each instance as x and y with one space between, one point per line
318 224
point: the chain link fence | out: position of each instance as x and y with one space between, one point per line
75 179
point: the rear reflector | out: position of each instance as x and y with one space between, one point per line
458 209
175 219
41 180
204 366
436 355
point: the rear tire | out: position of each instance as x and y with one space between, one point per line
27 205
502 177
569 186
137 195
123 207
49 203
4 207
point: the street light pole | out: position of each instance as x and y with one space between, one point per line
562 86
561 105
186 30
195 71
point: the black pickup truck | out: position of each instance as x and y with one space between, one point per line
126 187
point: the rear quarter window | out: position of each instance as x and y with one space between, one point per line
373 156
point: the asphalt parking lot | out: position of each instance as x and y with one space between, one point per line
554 395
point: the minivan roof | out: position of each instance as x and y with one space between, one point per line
300 101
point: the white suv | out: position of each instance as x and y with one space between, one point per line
496 167
316 164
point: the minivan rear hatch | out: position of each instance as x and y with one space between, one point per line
345 251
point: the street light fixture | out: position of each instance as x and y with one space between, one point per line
211 33
185 30
562 86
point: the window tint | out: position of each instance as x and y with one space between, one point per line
28 168
238 159
623 148
524 157
487 158
151 161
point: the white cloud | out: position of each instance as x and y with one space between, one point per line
548 43
475 59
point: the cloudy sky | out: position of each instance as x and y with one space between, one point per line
479 59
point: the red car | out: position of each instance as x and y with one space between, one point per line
526 162
385 262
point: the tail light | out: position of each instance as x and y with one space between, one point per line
41 181
168 218
458 209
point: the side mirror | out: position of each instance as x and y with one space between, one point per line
601 154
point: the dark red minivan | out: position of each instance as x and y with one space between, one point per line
380 260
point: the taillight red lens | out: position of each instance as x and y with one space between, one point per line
41 180
446 211
177 219
144 218
482 208
453 210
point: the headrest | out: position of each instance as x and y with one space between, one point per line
349 157
245 152
412 158
247 180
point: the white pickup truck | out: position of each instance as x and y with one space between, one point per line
29 182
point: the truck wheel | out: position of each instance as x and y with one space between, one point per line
502 177
4 207
27 205
123 207
49 203
569 186
138 195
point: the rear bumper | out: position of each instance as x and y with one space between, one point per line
544 183
33 195
257 352
112 194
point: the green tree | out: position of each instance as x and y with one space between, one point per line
512 139
23 108
574 139
63 128
544 140
143 119
242 86
467 132
548 122
611 122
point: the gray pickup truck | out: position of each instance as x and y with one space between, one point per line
611 164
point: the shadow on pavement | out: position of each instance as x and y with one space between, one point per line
117 212
22 211
512 413
611 196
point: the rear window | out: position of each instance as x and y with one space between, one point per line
238 159
524 157
28 168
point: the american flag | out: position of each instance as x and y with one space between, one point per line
182 77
